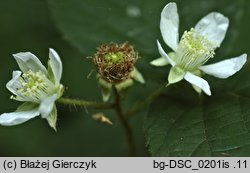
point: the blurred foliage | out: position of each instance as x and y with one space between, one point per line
74 28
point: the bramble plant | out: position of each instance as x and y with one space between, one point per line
39 88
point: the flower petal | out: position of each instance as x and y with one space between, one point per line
27 61
14 118
56 65
214 27
159 62
169 25
225 68
14 83
164 55
198 81
46 105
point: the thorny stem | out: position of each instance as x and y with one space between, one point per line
123 117
125 124
138 106
84 103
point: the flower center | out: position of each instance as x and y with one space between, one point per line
114 57
194 50
34 87
115 62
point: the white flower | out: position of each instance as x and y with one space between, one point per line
194 49
37 87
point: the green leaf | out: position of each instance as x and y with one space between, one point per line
184 124
86 24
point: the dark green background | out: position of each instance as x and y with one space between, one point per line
74 28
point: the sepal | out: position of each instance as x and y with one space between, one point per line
106 88
136 75
52 118
176 74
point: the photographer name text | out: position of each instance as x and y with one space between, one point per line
48 164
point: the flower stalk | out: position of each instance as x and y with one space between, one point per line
125 124
84 103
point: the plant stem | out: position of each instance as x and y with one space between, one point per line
138 106
125 124
84 103
123 117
